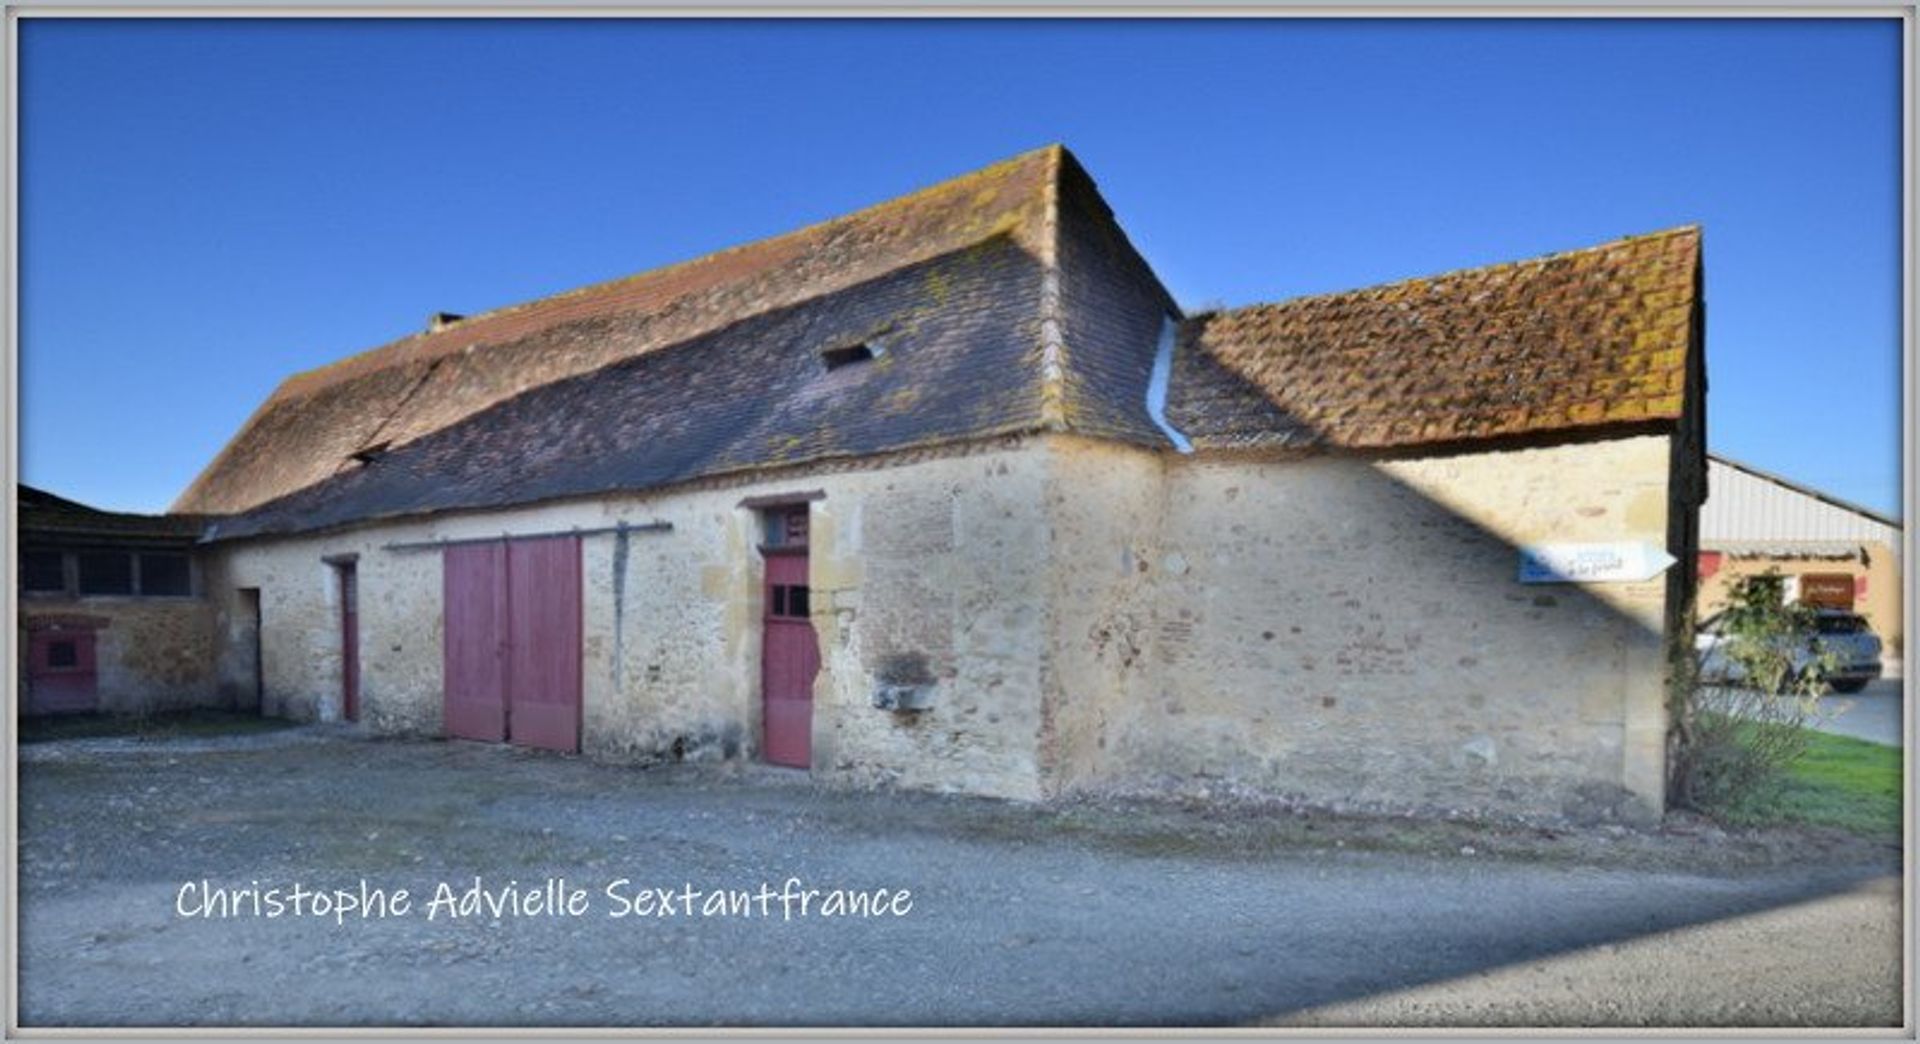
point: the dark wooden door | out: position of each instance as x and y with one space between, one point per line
475 643
61 674
349 641
790 657
249 610
543 639
512 642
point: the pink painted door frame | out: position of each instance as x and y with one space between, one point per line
790 658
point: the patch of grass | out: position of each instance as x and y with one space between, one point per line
174 725
1839 782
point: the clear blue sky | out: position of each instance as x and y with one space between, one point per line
210 206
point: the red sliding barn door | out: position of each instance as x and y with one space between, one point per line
476 641
543 638
512 643
790 657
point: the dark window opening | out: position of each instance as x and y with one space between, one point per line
835 358
43 571
106 573
63 654
164 574
791 600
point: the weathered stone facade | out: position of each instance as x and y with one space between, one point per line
943 557
985 398
110 613
1345 629
1092 616
151 654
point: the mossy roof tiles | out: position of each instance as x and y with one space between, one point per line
1591 338
1002 302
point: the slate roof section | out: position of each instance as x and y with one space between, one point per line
1587 339
310 427
955 336
45 518
1006 301
1111 311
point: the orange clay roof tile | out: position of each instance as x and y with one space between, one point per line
1601 336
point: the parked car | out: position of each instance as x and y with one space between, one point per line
1845 635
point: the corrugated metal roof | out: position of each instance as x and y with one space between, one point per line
1746 506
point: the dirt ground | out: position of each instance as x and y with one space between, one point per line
1110 913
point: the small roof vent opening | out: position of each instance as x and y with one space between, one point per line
439 321
850 355
369 453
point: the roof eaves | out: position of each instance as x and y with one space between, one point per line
213 532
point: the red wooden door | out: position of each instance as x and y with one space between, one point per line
475 643
790 657
543 638
61 673
349 642
512 642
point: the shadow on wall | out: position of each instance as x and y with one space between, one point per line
1351 628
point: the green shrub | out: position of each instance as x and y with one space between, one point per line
1733 741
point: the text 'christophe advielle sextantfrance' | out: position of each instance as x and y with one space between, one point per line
552 898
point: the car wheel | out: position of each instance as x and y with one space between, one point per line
1850 685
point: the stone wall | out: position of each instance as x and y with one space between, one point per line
1349 630
1090 616
151 654
943 558
1107 508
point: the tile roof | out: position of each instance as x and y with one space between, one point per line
1591 338
312 424
46 518
1005 301
955 341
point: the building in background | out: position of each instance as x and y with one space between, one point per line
1833 553
113 615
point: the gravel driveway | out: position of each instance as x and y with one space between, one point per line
1071 915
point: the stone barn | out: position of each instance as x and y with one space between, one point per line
949 493
112 614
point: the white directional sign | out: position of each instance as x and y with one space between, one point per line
1623 562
